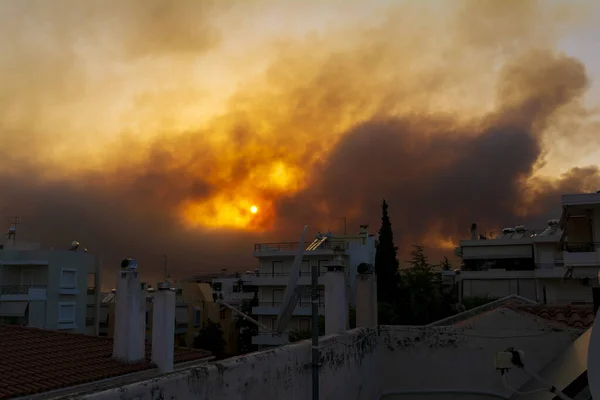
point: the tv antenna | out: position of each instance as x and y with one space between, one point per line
12 230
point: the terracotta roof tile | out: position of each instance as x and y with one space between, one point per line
576 316
36 361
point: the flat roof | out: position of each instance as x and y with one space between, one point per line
580 199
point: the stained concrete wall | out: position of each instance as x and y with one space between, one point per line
365 364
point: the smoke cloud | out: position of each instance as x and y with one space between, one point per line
142 128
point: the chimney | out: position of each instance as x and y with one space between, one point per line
129 336
336 300
163 327
366 296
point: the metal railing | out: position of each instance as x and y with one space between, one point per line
19 289
581 247
302 303
270 274
89 321
290 246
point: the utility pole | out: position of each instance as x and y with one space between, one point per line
315 330
12 230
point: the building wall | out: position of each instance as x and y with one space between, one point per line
45 314
364 364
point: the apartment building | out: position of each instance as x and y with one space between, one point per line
555 265
275 263
49 289
580 220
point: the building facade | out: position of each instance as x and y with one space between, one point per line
555 265
275 264
49 289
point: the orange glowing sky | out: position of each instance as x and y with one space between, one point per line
242 102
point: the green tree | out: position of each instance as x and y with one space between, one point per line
386 262
211 338
246 328
446 265
421 289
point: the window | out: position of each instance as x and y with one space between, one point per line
217 286
147 319
68 278
273 323
277 297
223 314
66 312
197 317
277 268
305 268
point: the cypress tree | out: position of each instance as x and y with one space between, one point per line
386 261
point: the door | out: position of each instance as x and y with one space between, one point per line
277 268
277 297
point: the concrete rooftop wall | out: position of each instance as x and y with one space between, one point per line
363 364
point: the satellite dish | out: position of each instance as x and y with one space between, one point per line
292 291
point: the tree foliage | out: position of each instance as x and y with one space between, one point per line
210 338
246 328
296 335
386 261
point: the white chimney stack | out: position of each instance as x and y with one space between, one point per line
366 297
336 301
130 309
163 327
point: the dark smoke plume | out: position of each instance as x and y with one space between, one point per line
119 131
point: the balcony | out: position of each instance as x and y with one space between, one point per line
91 290
238 297
270 339
89 321
291 248
581 254
23 293
282 278
303 308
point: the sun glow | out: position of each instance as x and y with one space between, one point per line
253 209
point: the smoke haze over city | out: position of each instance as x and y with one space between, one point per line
142 128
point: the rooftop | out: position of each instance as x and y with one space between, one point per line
37 361
581 199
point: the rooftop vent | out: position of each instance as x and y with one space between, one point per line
129 264
508 230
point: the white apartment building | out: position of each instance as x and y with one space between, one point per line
581 240
275 263
236 288
555 265
49 289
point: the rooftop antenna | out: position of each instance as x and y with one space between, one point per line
12 230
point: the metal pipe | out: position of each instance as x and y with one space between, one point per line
315 330
244 316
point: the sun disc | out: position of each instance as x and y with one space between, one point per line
253 209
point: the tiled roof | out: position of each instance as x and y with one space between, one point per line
35 361
573 316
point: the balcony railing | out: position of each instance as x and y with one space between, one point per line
19 289
89 321
581 247
303 303
291 246
270 274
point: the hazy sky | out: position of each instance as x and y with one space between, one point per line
142 127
